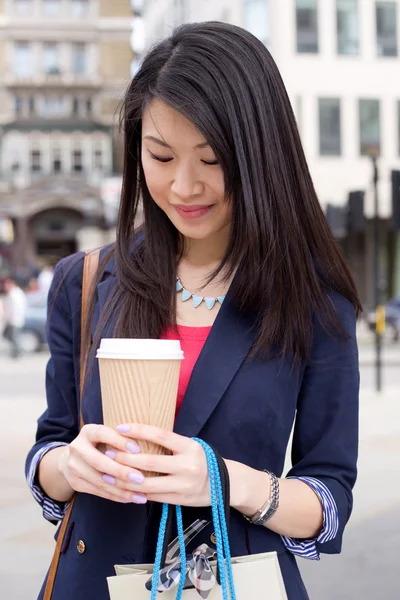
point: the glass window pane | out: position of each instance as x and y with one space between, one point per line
386 28
36 161
23 7
329 127
51 59
256 19
370 129
77 165
347 24
79 59
23 66
51 7
18 103
80 8
307 25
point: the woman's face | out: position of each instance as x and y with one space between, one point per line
182 173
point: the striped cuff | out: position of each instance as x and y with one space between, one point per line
308 548
52 510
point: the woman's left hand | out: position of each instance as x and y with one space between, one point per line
184 475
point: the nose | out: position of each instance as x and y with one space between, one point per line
186 183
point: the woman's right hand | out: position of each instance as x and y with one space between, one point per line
89 470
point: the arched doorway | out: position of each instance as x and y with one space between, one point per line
54 233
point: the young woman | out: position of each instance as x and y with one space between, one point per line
231 215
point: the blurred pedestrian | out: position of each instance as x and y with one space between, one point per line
15 305
44 279
235 258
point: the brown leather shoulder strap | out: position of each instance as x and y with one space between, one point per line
90 266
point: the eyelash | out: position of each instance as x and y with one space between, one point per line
162 159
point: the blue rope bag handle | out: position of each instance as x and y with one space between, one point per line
220 528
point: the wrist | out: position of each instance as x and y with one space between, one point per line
250 488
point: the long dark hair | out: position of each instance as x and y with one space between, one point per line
286 260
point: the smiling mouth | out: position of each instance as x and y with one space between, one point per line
194 211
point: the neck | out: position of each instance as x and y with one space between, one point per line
207 253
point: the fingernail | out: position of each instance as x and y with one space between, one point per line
124 500
111 454
136 477
109 479
133 447
123 428
139 499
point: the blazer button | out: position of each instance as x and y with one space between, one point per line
81 547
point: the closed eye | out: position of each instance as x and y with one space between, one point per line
163 159
210 162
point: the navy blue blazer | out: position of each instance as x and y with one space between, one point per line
244 408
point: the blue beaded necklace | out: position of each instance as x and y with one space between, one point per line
197 300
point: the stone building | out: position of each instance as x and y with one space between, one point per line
64 65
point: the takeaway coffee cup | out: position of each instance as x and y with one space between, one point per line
139 383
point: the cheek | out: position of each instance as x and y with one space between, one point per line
156 181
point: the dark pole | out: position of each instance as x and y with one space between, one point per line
377 246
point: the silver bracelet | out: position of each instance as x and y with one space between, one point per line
266 512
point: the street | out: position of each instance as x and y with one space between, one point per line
368 566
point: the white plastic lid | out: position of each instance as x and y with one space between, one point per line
136 349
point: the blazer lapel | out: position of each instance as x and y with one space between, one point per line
227 346
104 290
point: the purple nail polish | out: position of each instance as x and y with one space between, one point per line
109 479
123 428
111 454
139 499
133 448
136 477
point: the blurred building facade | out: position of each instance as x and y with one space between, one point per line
340 63
64 66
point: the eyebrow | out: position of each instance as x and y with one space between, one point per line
165 145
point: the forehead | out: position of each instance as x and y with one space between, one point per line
162 121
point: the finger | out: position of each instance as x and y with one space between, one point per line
154 463
153 485
101 436
91 465
167 439
109 491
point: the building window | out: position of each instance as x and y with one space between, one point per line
255 18
23 7
386 28
57 166
329 127
307 25
98 159
80 8
79 59
23 66
89 107
370 126
36 161
31 106
18 104
51 59
77 164
53 107
347 25
75 107
52 7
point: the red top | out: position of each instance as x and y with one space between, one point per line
192 341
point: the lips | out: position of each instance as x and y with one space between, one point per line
194 211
